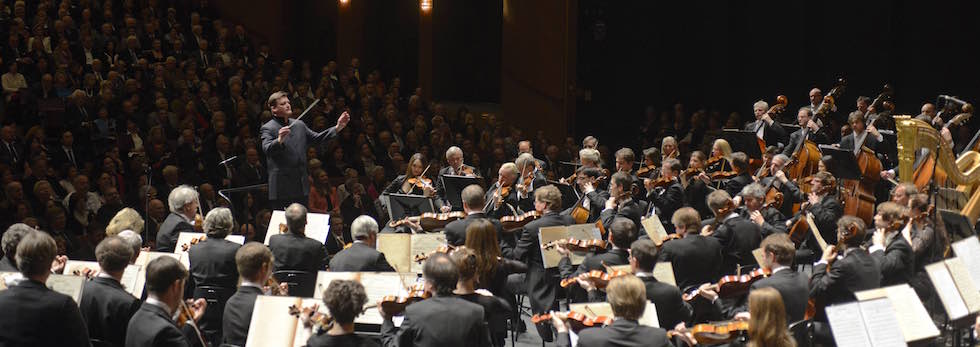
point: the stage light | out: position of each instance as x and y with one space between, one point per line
344 2
426 5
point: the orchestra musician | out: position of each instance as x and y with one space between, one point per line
443 319
293 251
541 283
153 324
737 235
868 135
473 202
455 167
721 155
105 305
285 151
794 288
362 255
810 127
11 238
740 163
595 197
624 164
668 148
889 248
345 300
183 208
766 320
791 192
254 264
621 204
826 210
412 182
530 177
651 158
501 199
493 266
627 297
621 234
696 259
212 263
30 307
696 186
671 309
495 310
929 242
766 128
666 199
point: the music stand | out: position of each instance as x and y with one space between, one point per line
843 165
957 226
743 141
454 188
403 205
790 128
568 194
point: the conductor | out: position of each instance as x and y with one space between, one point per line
284 142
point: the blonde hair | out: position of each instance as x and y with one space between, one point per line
125 219
767 325
589 154
550 196
627 295
275 97
726 149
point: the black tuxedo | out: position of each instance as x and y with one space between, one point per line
540 282
632 209
793 287
238 315
735 184
153 326
438 321
527 203
456 230
170 230
667 201
34 315
791 194
213 263
848 141
774 220
855 272
107 308
796 137
71 156
896 261
696 259
298 253
772 133
286 161
10 152
441 188
612 257
696 194
825 216
509 206
620 333
360 257
348 340
738 238
671 309
246 174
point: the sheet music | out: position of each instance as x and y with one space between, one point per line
847 326
317 225
424 244
967 288
185 239
397 249
68 285
77 265
654 228
759 254
550 257
272 325
946 288
129 280
377 285
968 250
913 319
664 272
594 309
881 324
142 260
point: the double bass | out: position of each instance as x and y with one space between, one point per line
859 195
806 156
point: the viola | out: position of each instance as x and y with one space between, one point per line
577 320
645 171
192 242
721 332
511 223
430 220
395 305
598 278
186 317
447 249
731 285
576 245
720 175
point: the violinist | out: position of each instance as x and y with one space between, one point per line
212 263
621 234
843 269
621 203
362 255
667 198
294 251
624 164
153 324
495 311
869 136
737 235
810 129
721 155
473 202
767 324
541 283
183 206
454 167
501 199
442 320
671 309
651 163
740 164
345 300
627 297
794 288
254 262
769 219
777 178
696 259
929 242
766 128
530 177
587 180
105 305
826 209
889 248
696 186
493 265
524 146
668 148
413 181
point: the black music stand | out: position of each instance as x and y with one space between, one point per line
568 194
403 205
843 165
454 188
957 226
743 141
790 128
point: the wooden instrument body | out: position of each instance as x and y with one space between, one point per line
511 223
716 333
804 163
859 198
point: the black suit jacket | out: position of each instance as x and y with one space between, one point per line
438 321
896 262
170 230
734 185
34 315
773 134
620 333
456 230
793 287
238 315
298 253
632 210
153 326
667 201
360 257
213 263
796 137
541 283
671 309
836 284
847 142
738 238
696 259
286 161
107 308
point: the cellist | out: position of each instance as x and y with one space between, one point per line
810 129
862 134
823 203
778 179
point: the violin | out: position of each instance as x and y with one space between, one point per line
721 332
645 171
283 228
720 175
576 245
464 171
447 249
312 318
430 220
511 223
192 242
274 287
186 317
714 160
668 238
720 217
691 171
199 219
578 321
598 278
420 182
661 182
395 305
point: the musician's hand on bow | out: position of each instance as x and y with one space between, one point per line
197 306
704 177
585 283
58 265
887 174
560 325
446 208
413 225
765 118
707 231
708 291
428 191
343 120
757 218
878 239
283 133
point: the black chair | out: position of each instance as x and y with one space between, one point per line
301 283
216 298
802 332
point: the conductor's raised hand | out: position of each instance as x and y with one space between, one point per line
283 133
343 120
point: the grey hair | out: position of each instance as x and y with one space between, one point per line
589 154
133 239
754 190
125 219
12 237
524 160
782 157
296 218
760 104
180 197
219 222
363 227
453 150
